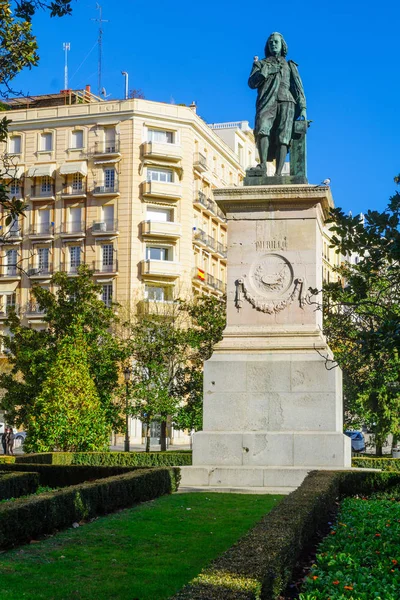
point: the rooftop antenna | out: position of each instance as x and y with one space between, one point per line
66 47
100 20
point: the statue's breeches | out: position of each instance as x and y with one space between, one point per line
276 119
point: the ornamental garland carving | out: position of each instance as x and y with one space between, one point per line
270 286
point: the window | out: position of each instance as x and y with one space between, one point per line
43 259
107 294
162 137
77 139
109 178
15 144
11 302
46 142
108 215
15 189
155 293
159 214
43 221
158 253
75 220
11 259
77 182
74 258
164 175
107 255
46 185
110 141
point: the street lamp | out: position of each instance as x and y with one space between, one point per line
127 375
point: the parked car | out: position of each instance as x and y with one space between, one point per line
357 440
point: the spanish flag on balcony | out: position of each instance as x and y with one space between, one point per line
201 274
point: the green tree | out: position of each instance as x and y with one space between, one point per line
75 302
67 414
168 351
362 317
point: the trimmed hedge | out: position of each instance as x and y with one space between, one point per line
128 459
29 518
260 564
6 459
64 476
385 464
14 485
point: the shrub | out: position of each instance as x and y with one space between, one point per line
385 464
66 475
28 518
5 459
14 485
134 459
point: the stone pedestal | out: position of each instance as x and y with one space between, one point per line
272 409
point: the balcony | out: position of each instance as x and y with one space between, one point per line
161 189
41 231
160 268
211 282
32 310
70 192
208 206
76 229
167 229
40 272
102 191
101 268
11 272
199 162
100 228
222 250
158 150
43 193
70 269
12 235
163 308
8 309
107 148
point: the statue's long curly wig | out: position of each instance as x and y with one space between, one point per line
284 49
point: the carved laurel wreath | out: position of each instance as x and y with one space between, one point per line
268 306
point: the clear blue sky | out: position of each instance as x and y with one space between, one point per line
347 51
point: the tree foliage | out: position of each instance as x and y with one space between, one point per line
67 414
362 316
168 352
74 306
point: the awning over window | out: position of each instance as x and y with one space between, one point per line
42 170
74 167
8 287
110 161
13 173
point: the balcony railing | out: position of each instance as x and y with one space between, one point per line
107 147
209 205
105 226
38 192
12 234
8 309
200 162
11 271
71 269
107 189
69 190
40 271
102 267
41 229
222 249
33 308
76 227
202 238
202 276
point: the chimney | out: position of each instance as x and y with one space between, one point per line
193 106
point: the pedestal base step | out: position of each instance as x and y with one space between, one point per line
237 490
271 478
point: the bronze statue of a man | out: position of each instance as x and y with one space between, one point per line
280 101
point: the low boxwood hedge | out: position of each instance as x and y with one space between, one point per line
66 475
14 485
129 459
6 459
260 565
27 518
371 462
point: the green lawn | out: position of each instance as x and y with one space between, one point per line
144 553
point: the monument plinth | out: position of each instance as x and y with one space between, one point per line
272 410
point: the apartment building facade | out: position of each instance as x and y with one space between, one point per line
125 186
